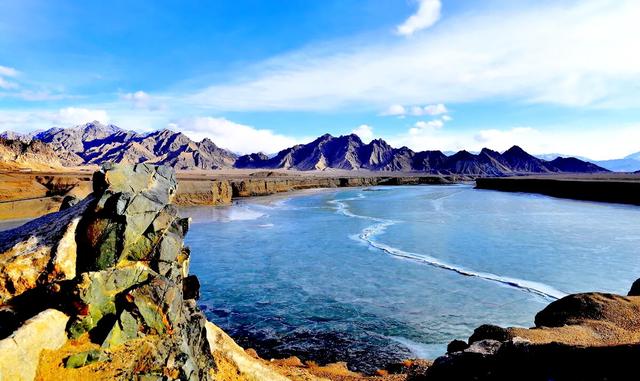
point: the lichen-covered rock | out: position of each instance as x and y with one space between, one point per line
116 263
20 352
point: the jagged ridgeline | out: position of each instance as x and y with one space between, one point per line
101 289
94 143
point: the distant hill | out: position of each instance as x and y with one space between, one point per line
95 143
629 163
350 153
35 155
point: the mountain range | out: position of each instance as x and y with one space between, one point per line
350 153
94 143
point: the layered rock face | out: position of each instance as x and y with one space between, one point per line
108 279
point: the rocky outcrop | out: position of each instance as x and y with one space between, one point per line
590 336
115 264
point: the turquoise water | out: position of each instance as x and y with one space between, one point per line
370 276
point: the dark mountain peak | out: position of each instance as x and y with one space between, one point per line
489 152
165 132
462 155
208 142
516 151
521 161
97 130
254 160
324 137
355 138
380 143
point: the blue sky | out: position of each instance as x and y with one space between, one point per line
551 76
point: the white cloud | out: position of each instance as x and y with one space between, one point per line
427 15
8 71
571 53
7 85
29 120
73 116
365 132
400 110
433 110
139 99
233 136
436 109
394 110
421 125
503 139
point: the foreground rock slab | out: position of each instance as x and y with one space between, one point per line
20 352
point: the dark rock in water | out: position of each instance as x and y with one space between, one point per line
457 346
488 331
191 287
635 288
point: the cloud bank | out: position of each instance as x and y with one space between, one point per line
236 137
573 54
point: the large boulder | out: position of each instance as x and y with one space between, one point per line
601 330
20 352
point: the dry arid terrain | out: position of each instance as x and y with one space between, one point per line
27 194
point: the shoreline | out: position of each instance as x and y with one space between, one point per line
25 195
